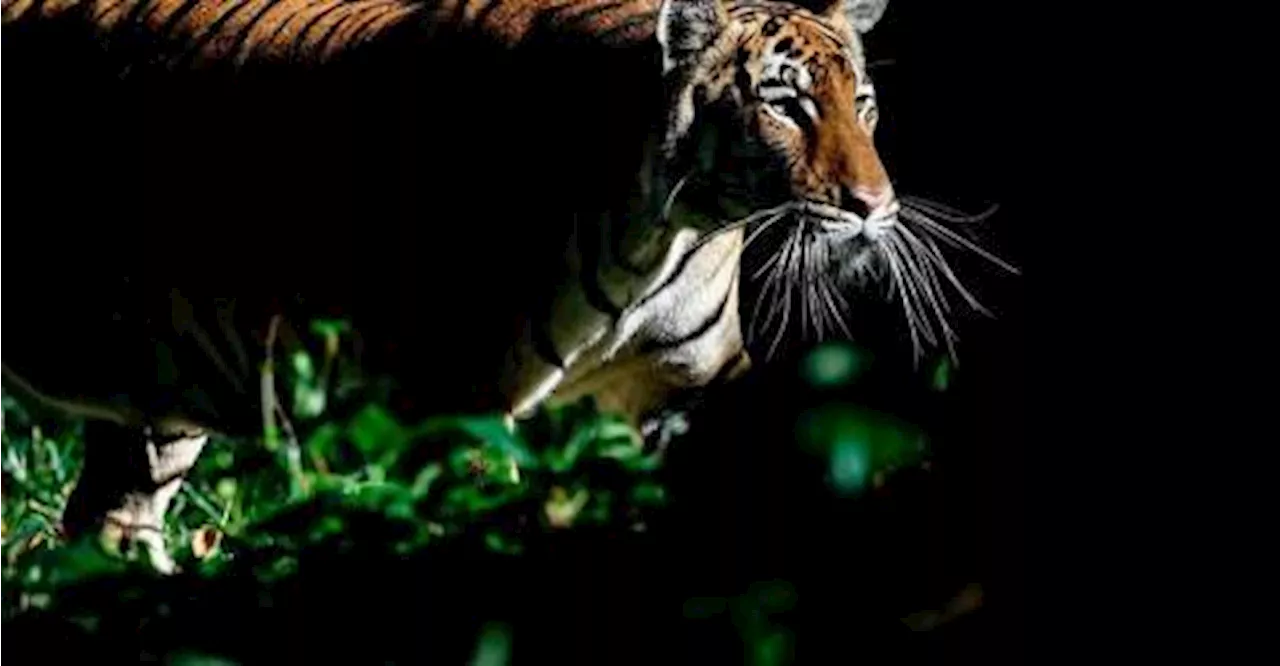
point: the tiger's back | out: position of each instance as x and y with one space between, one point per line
349 157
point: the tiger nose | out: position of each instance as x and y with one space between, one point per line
864 201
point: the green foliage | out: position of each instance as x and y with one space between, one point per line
834 364
859 443
349 475
449 477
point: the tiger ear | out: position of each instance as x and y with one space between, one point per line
687 27
861 14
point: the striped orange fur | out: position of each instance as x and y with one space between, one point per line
243 31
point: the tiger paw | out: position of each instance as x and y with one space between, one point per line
129 541
661 429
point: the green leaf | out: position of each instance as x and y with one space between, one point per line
648 493
323 441
200 659
471 500
489 430
226 489
833 364
375 432
858 443
494 648
423 482
77 562
942 374
850 465
772 648
302 365
562 459
328 327
501 543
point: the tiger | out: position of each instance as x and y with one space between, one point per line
686 129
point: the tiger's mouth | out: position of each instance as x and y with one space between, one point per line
842 224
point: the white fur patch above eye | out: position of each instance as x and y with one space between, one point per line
775 93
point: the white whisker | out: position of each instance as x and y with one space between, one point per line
926 329
895 271
946 212
945 267
913 262
926 262
956 239
765 225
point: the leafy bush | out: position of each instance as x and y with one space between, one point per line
454 534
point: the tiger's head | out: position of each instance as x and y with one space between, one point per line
771 121
773 105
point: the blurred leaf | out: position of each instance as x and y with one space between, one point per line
489 430
226 489
561 509
224 459
775 596
375 432
78 562
471 500
771 649
647 493
494 648
302 365
200 659
942 374
850 465
308 401
330 327
323 441
858 442
833 363
501 543
426 477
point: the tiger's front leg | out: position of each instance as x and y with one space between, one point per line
130 476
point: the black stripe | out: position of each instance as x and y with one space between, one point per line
455 21
85 8
193 51
483 14
644 19
364 25
596 296
177 15
243 34
620 259
615 253
545 348
301 37
578 19
136 11
675 274
274 33
722 375
702 329
328 34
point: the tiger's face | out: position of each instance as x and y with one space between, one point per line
775 111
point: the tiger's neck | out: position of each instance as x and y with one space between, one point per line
619 260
